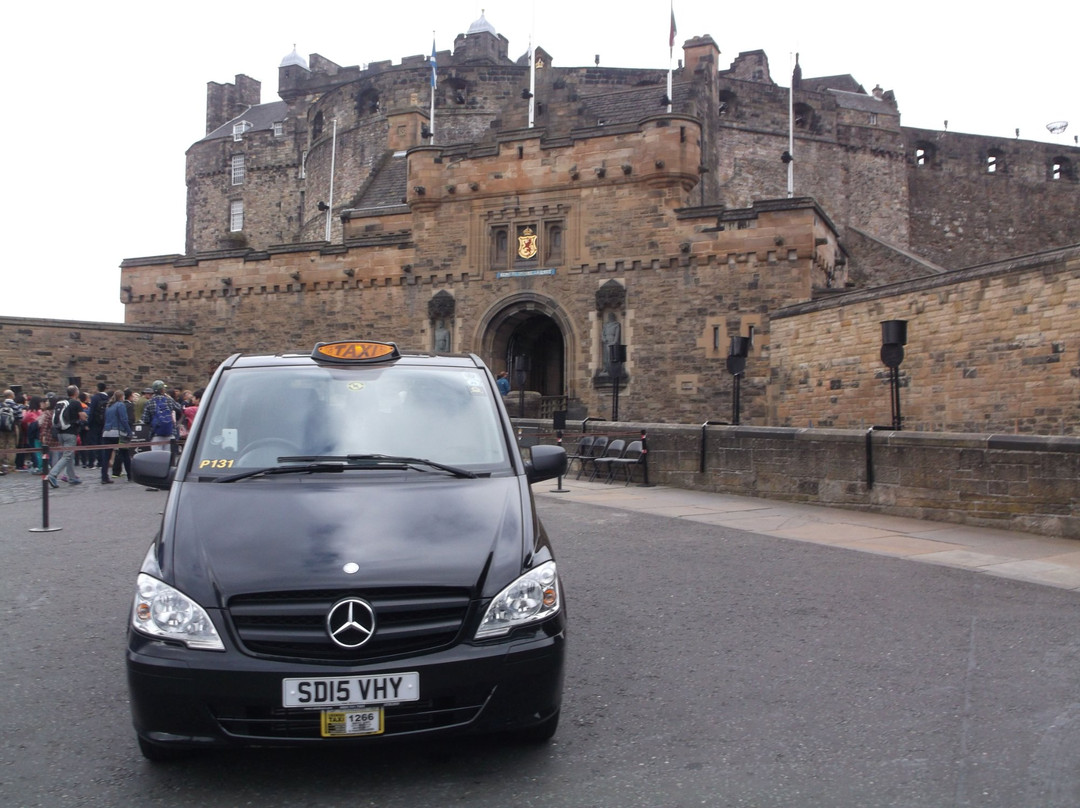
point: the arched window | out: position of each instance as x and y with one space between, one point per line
995 161
317 126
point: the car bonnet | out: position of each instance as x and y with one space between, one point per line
304 533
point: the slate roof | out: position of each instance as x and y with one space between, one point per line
821 84
630 106
387 186
261 117
862 102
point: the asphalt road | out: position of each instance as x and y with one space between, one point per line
707 667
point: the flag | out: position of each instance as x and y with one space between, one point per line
434 66
671 37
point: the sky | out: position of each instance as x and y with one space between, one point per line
104 98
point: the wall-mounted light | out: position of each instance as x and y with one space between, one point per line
659 164
226 281
574 174
323 207
627 169
125 289
420 190
601 172
349 272
893 340
162 285
474 186
451 189
294 275
407 268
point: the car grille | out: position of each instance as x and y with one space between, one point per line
292 625
247 721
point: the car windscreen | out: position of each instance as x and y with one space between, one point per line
257 416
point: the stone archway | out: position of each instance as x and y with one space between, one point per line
534 327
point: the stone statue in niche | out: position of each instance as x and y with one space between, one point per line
442 337
611 335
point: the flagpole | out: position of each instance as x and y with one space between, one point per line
791 133
333 160
532 82
671 56
434 82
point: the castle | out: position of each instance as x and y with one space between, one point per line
541 215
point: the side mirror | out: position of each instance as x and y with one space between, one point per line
153 469
545 462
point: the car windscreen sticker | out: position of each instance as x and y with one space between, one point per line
474 385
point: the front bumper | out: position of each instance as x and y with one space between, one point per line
203 698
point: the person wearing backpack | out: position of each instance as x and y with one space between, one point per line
68 420
9 428
159 414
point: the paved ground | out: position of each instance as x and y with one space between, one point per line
1004 553
1008 554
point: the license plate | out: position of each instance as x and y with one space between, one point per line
346 723
334 691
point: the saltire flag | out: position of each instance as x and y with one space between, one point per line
434 66
671 37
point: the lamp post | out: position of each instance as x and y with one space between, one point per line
893 340
736 365
521 374
617 355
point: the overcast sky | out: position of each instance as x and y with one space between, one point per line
104 98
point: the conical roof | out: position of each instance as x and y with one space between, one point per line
294 58
481 25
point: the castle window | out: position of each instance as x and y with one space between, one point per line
727 106
1060 168
804 116
236 216
317 126
499 252
302 174
873 119
924 153
995 162
238 170
553 242
279 128
239 129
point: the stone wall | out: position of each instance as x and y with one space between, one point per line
990 349
44 355
1024 483
962 214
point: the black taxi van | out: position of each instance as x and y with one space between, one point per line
349 552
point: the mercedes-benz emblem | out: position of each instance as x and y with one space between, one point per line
350 622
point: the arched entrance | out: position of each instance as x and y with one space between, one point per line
533 329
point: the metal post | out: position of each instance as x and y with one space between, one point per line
45 466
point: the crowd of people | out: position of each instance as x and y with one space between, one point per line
58 435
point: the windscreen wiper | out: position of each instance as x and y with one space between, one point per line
310 464
304 468
383 461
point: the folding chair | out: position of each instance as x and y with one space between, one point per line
614 449
598 446
584 449
632 456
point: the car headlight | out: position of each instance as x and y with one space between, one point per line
531 598
169 614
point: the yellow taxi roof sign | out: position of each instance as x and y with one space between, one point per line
355 351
